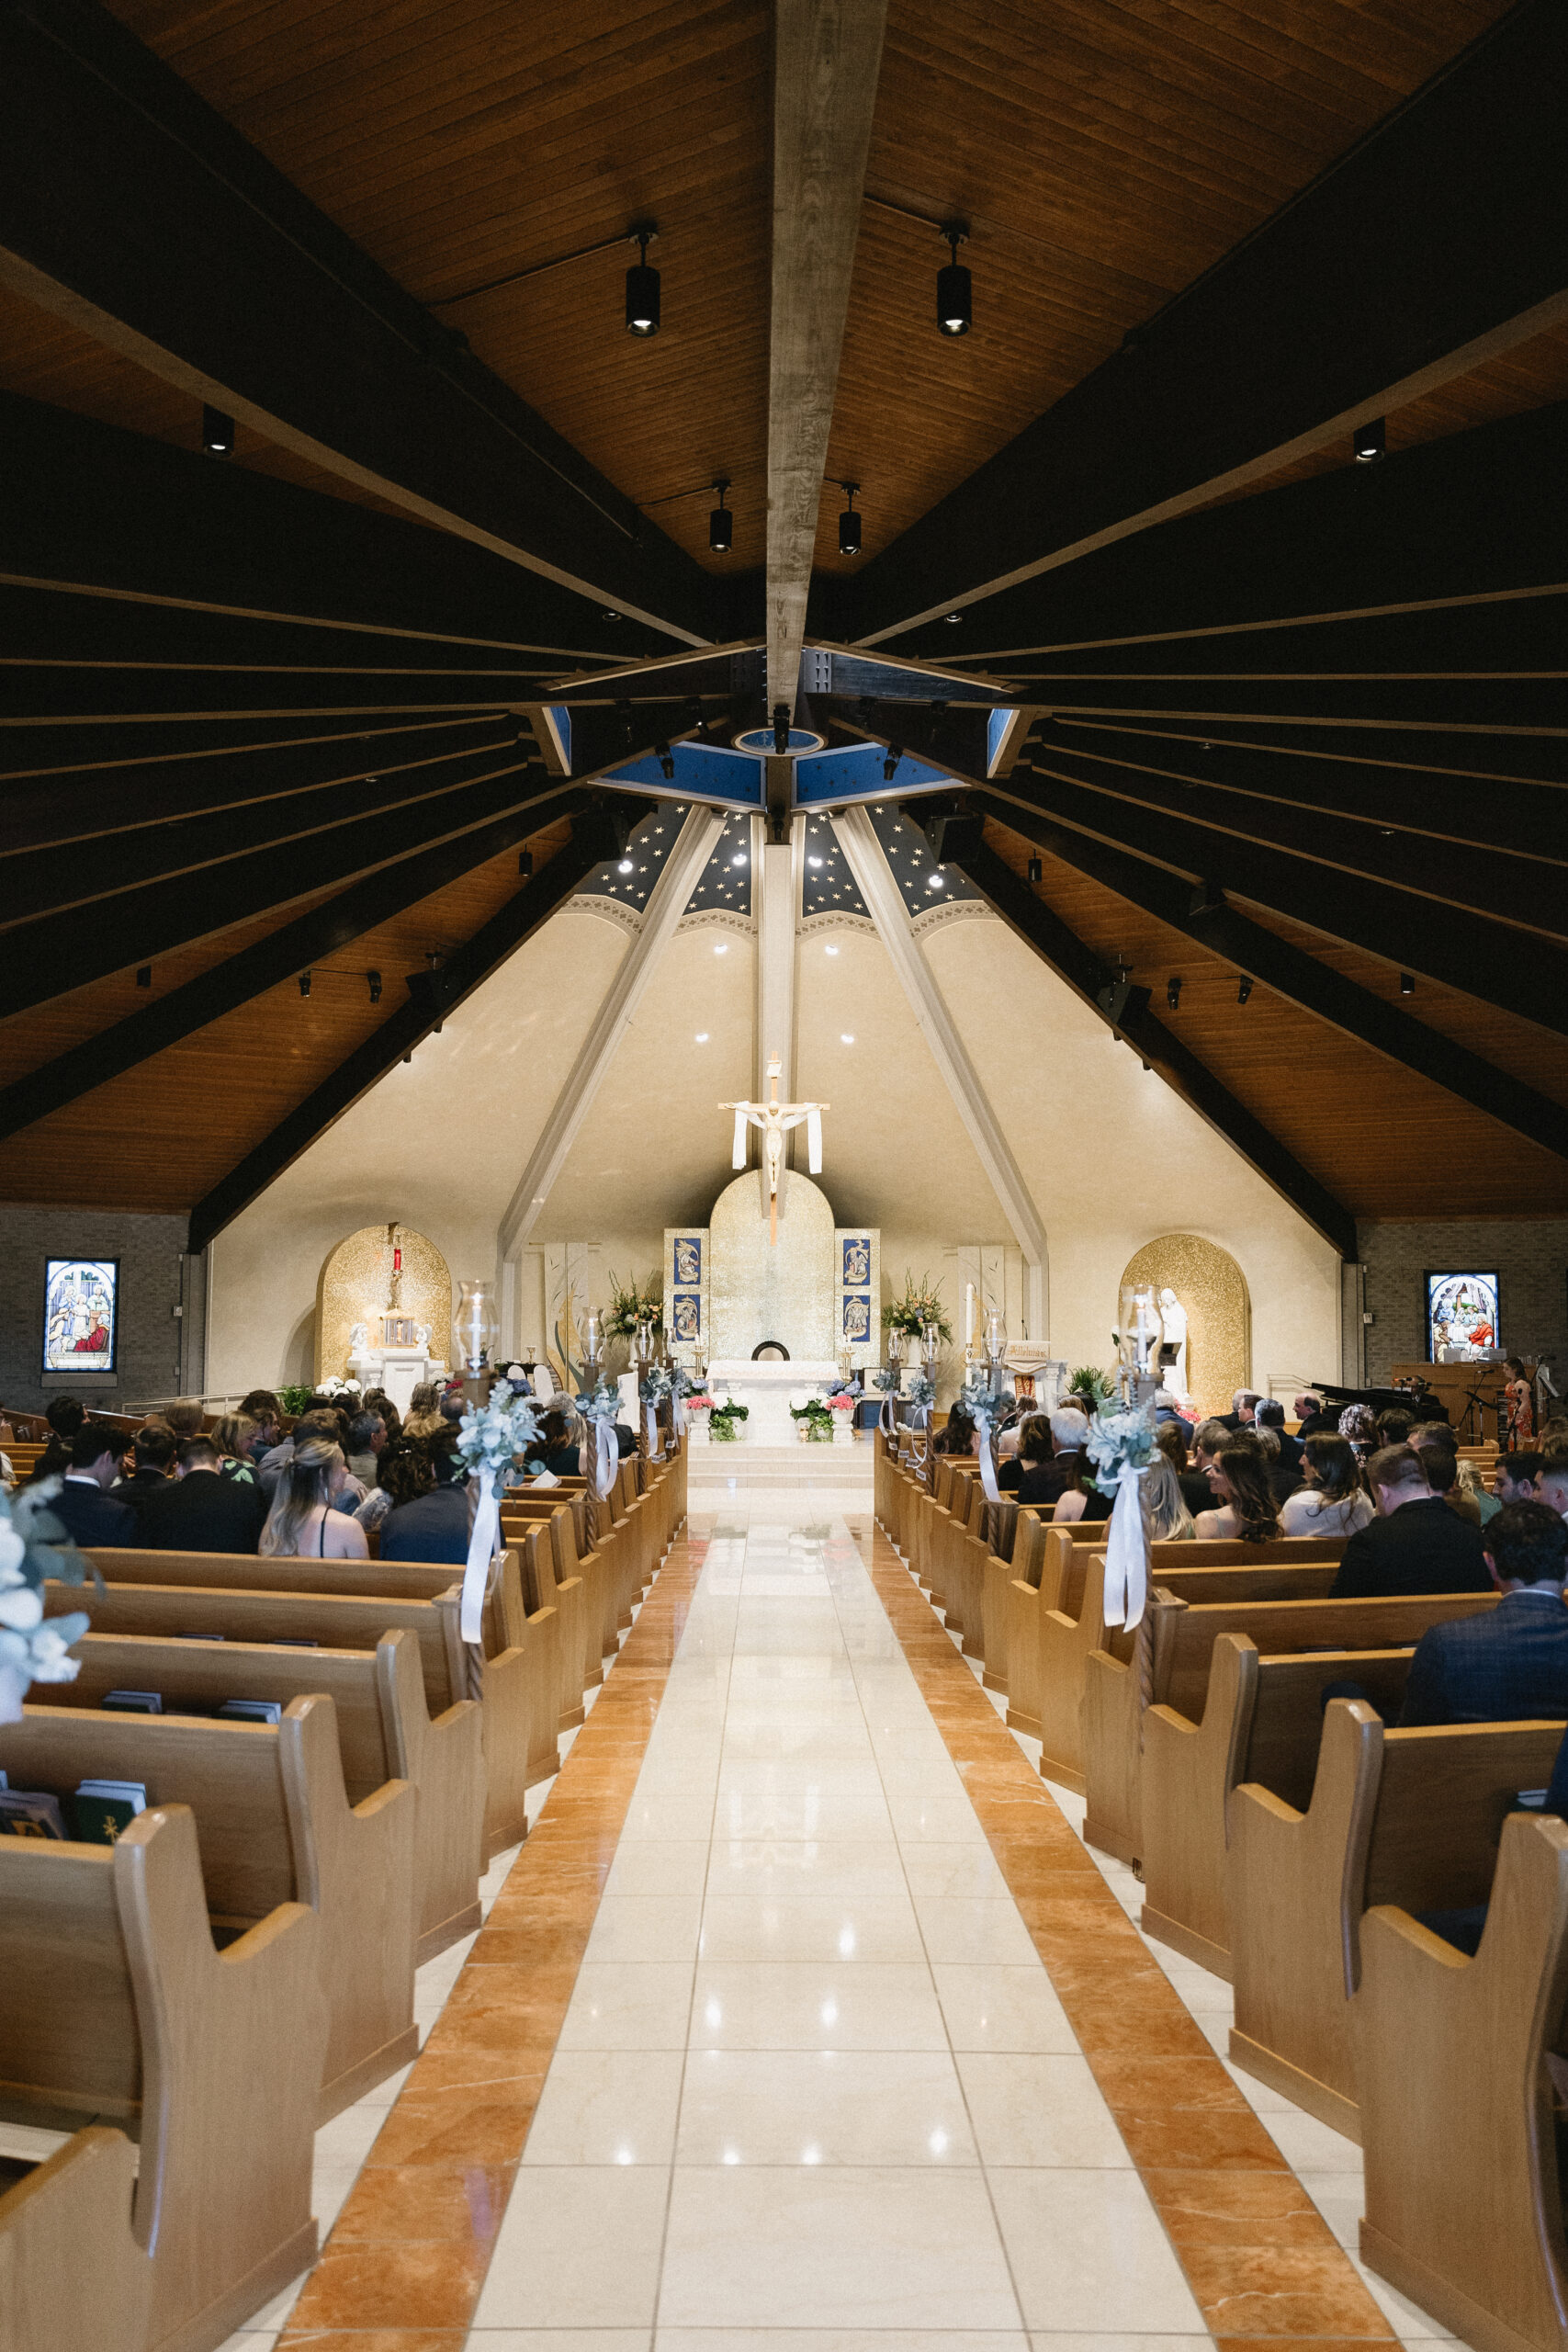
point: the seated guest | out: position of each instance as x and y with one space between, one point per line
156 1448
558 1447
1270 1414
1244 1404
1331 1501
1510 1665
1035 1450
424 1411
348 1493
378 1401
1282 1479
1415 1545
200 1510
263 1407
1083 1499
84 1508
307 1519
1312 1419
1551 1482
958 1437
65 1416
234 1437
1165 1515
1047 1481
1172 1440
1394 1425
366 1438
1358 1426
184 1416
404 1474
1244 1500
1516 1476
1433 1440
432 1525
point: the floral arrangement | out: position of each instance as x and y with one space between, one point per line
885 1381
33 1547
655 1386
843 1400
1120 1441
699 1402
921 1391
725 1418
814 1414
914 1308
490 1438
333 1386
631 1306
599 1403
1091 1386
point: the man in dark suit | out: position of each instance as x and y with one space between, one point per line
1270 1414
201 1511
1415 1545
1510 1665
1244 1407
156 1449
436 1525
1314 1420
84 1505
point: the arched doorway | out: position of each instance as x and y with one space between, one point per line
356 1284
1213 1288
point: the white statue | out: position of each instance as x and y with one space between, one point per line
421 1336
776 1120
358 1340
1173 1325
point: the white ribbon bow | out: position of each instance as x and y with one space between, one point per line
1126 1553
988 1459
483 1544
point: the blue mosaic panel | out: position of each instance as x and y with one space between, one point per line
686 1317
857 1317
857 1264
688 1259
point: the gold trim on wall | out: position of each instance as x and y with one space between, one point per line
353 1289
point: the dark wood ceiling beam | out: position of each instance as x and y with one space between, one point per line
33 698
99 804
958 841
1475 515
438 995
1516 970
293 948
39 882
826 61
44 754
1522 885
1410 752
1225 931
55 954
1436 244
1495 706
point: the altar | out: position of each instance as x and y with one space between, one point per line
766 1388
772 1271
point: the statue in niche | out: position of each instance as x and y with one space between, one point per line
422 1337
358 1340
1173 1332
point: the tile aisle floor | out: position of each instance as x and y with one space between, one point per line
814 2091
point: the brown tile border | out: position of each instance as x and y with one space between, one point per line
403 2269
1262 2263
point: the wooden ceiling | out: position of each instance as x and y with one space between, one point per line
1104 158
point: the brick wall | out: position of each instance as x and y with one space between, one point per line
1531 1259
156 1357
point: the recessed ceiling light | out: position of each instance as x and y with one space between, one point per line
702 1037
723 948
846 1037
814 861
625 866
829 951
933 882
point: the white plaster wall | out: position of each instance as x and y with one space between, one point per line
1114 1158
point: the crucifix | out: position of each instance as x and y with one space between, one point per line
776 1120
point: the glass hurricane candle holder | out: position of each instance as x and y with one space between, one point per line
475 1326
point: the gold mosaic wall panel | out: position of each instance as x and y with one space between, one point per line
353 1289
1211 1287
759 1292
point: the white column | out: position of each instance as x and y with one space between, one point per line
776 881
886 903
666 904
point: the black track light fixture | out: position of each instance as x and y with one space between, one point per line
849 521
525 864
1369 442
954 294
721 522
1173 991
304 983
1036 869
1407 984
780 728
666 759
1244 990
217 432
374 981
890 763
642 284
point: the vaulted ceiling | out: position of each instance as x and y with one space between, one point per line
1282 718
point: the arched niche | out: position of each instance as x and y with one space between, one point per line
1213 1288
353 1287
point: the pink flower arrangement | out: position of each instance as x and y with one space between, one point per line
840 1403
699 1403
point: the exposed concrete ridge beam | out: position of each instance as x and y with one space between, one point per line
874 881
666 905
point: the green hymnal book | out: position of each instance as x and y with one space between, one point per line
252 1711
134 1702
31 1813
103 1808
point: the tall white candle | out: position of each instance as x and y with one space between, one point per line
968 1317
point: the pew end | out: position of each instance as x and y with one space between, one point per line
72 2274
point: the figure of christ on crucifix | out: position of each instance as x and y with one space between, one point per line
775 1119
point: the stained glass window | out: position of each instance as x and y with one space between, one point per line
1462 1316
81 1331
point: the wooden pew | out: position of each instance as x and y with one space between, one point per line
1069 1628
512 1680
274 1825
572 1556
517 1676
117 2003
1166 1663
1411 1817
384 1728
72 2274
1263 1723
1456 2060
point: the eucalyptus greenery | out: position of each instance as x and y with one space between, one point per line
490 1437
34 1547
1118 1442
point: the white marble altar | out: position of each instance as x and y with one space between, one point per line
396 1370
765 1389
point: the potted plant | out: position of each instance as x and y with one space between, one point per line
699 1410
843 1409
725 1419
813 1421
1088 1389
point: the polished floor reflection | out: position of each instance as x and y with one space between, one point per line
813 2087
